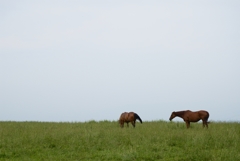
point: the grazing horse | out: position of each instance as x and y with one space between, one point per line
189 116
128 117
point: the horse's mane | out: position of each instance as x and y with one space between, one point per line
181 113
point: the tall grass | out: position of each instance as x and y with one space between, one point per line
105 140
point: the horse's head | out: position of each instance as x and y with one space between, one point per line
172 116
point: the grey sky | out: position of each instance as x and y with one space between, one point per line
85 60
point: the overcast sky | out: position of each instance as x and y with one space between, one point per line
92 60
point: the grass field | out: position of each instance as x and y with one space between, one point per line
105 140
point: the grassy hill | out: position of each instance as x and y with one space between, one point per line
105 140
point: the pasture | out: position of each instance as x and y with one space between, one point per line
105 140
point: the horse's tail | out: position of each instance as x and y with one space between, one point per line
137 117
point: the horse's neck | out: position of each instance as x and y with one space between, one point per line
180 113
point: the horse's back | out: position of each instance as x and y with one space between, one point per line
131 116
131 113
127 116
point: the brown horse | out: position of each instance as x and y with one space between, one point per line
128 117
189 116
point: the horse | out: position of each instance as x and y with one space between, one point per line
189 116
128 117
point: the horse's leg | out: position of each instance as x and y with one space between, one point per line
205 123
133 123
127 124
187 124
121 124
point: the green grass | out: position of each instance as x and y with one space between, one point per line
105 140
